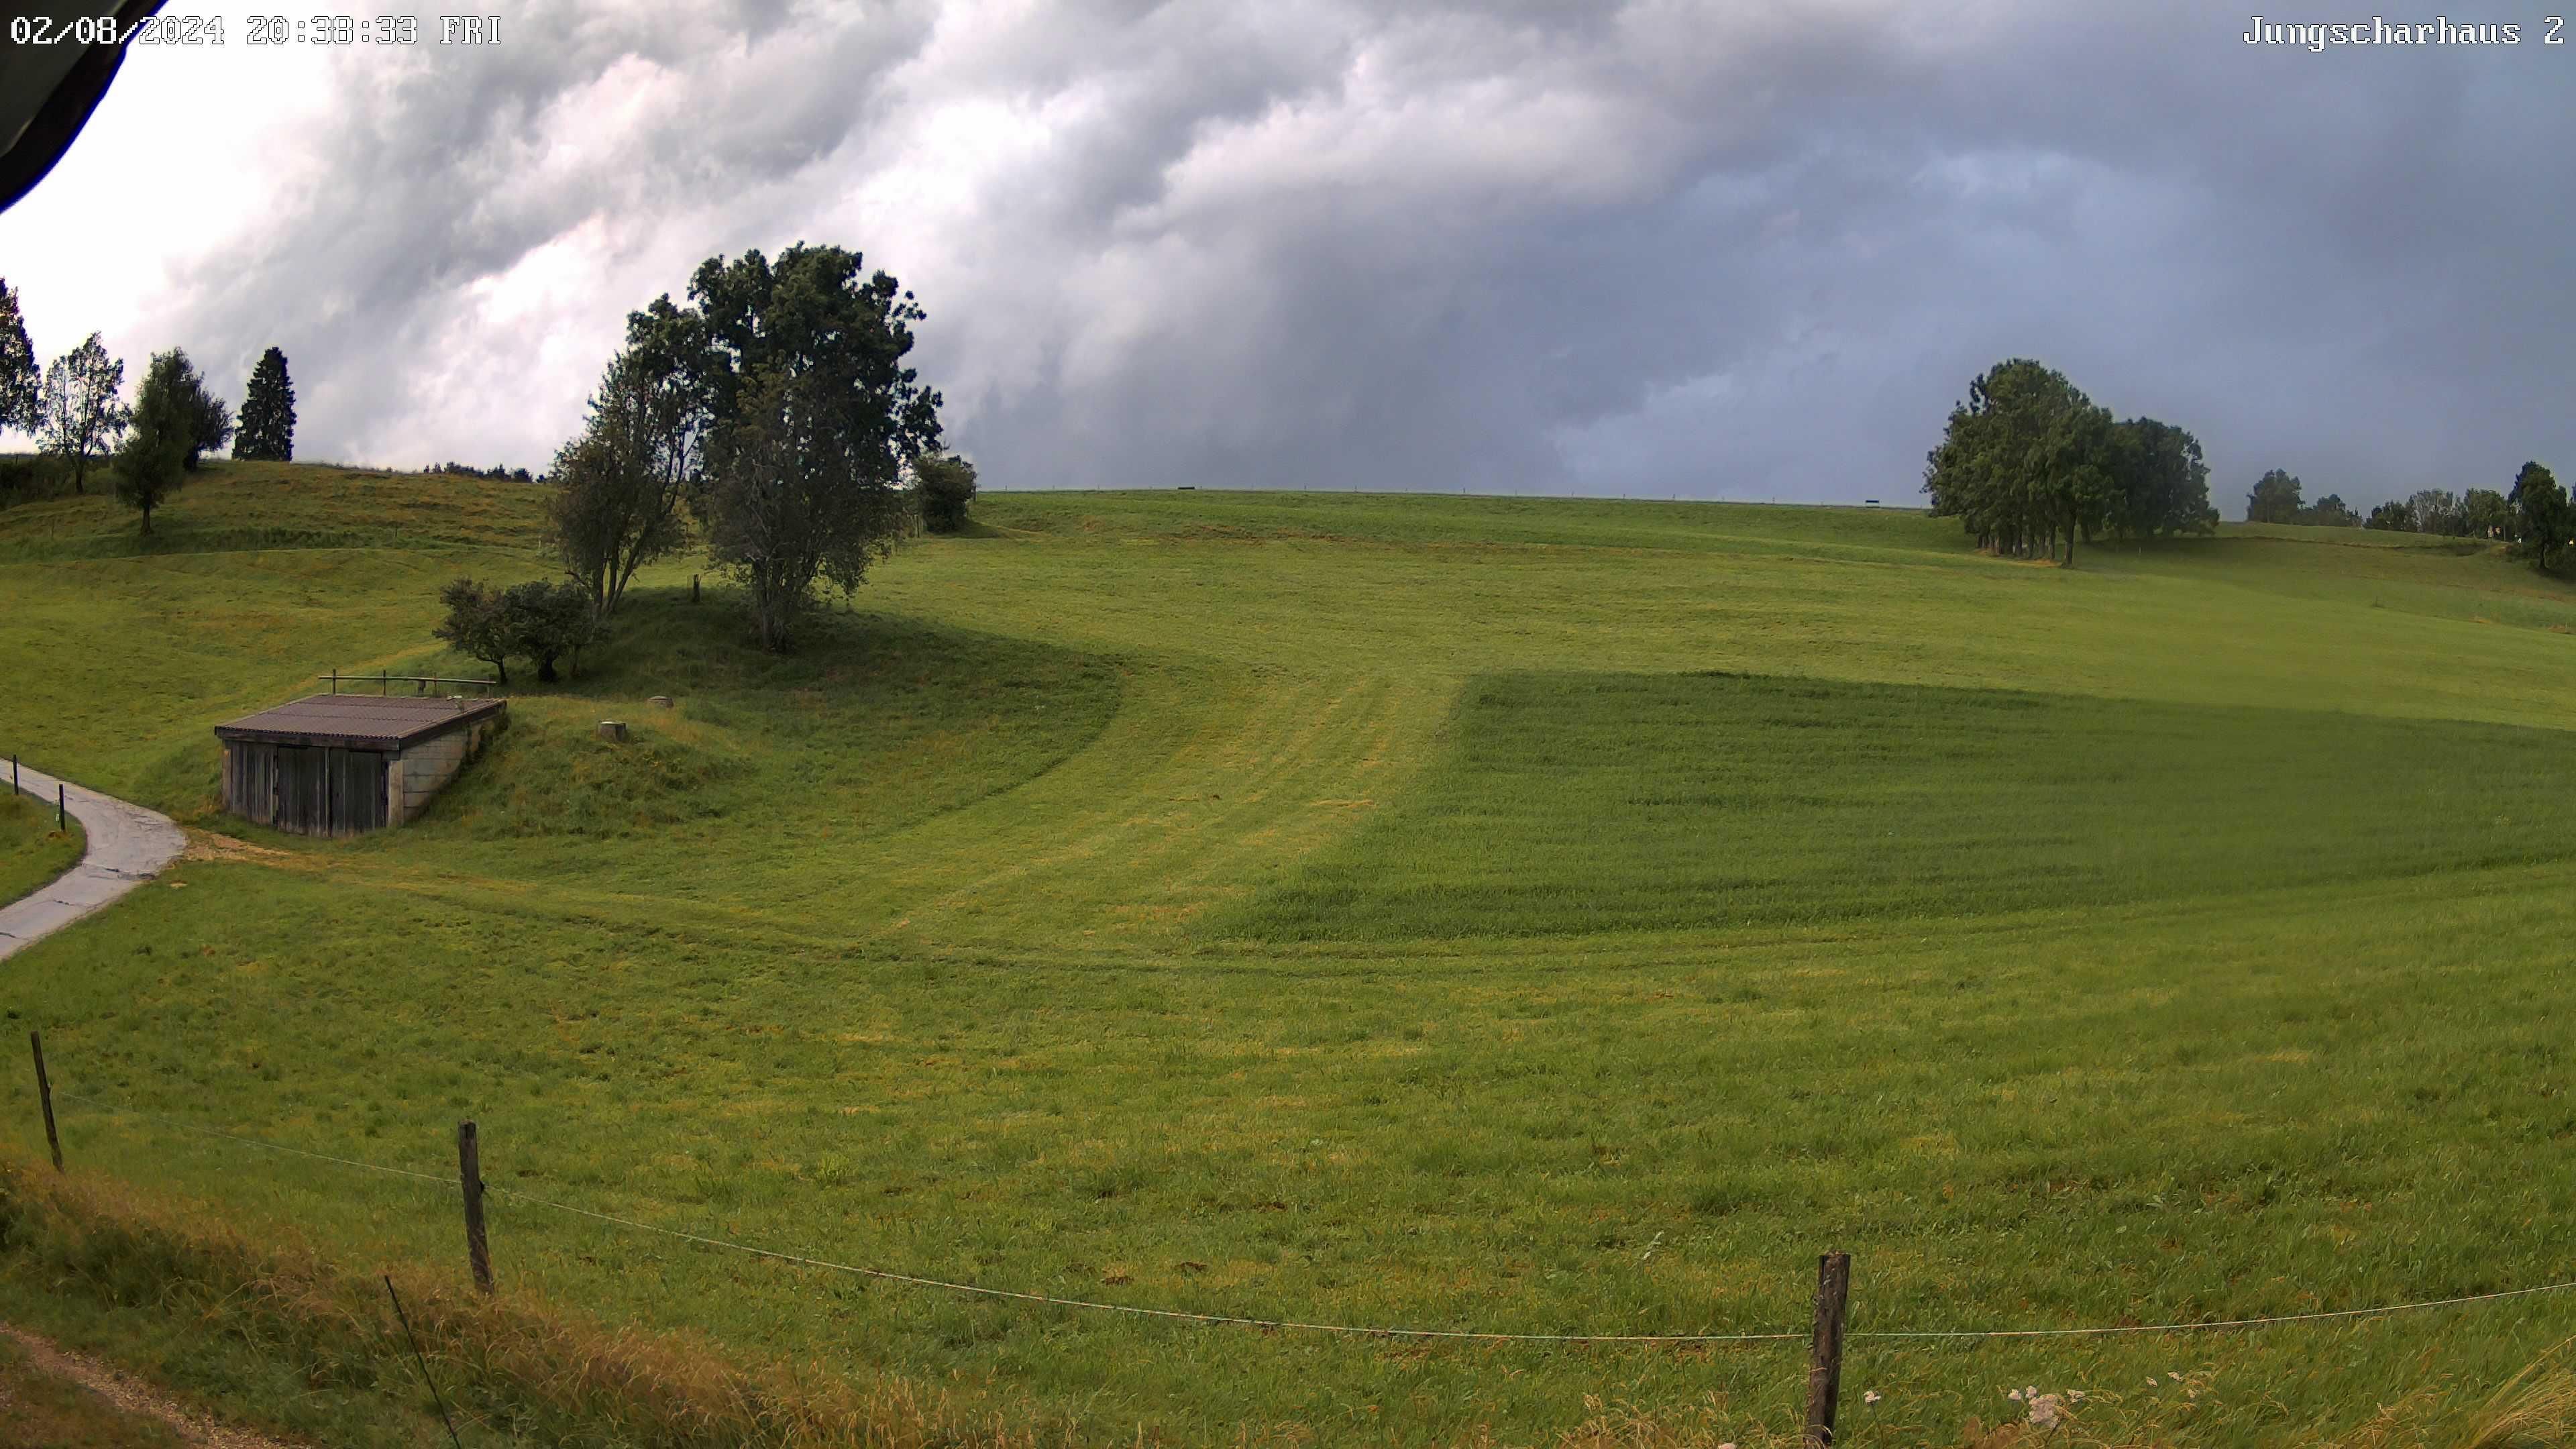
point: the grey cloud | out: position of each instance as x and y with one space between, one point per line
1556 247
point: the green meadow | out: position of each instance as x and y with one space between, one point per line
32 851
1519 916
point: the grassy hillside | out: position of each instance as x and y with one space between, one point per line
1491 914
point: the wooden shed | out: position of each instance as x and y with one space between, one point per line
341 764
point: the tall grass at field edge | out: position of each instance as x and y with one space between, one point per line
519 1371
524 1370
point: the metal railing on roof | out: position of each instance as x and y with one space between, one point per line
385 682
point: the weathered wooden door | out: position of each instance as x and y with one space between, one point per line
324 790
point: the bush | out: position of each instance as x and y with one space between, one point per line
545 622
473 625
539 621
947 485
32 478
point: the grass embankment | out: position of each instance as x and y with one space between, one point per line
1447 912
32 850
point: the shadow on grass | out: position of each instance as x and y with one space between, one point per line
877 720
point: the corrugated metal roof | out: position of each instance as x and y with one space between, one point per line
359 721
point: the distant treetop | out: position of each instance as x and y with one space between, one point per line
468 470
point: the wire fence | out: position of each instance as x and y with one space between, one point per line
454 1183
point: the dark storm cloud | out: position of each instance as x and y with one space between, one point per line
1660 248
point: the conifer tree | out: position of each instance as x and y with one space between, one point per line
2540 514
267 413
21 380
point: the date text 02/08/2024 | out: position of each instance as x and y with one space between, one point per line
204 30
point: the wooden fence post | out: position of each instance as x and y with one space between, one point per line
13 776
1825 1358
45 1095
469 1171
61 819
693 588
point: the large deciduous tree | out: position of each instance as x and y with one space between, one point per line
619 486
2330 512
2026 462
22 382
2484 513
83 410
214 426
2540 514
2275 499
2436 510
83 406
786 505
2162 481
796 371
169 417
267 431
198 417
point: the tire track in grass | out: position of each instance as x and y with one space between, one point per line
1198 782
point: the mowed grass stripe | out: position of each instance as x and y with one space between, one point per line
1573 804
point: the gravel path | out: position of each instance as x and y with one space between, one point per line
128 845
133 1396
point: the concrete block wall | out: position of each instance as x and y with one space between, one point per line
412 776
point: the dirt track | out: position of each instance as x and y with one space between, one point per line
133 1397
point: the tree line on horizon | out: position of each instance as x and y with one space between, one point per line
2029 465
2533 516
498 472
76 410
2276 498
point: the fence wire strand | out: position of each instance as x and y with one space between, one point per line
887 1275
1353 1330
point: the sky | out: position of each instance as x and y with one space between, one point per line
1711 250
